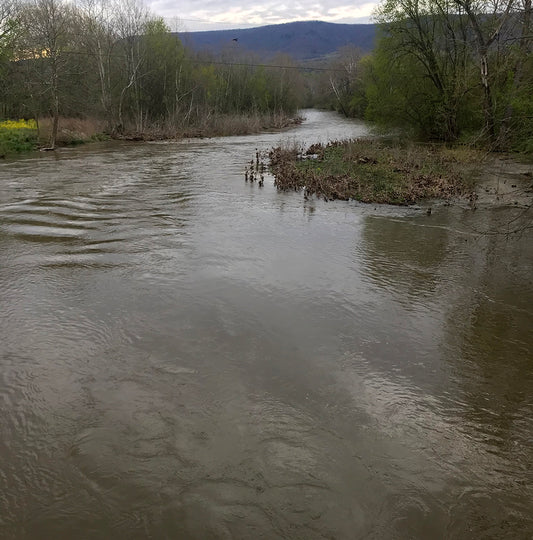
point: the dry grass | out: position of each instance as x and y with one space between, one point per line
72 130
80 130
242 124
212 125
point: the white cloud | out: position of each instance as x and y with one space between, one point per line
212 15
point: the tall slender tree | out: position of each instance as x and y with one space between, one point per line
487 20
48 39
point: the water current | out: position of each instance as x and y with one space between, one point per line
184 355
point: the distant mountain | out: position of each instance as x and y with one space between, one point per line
301 40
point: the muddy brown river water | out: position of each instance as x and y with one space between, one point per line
187 356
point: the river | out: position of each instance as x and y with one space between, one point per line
186 355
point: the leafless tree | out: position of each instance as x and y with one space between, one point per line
48 37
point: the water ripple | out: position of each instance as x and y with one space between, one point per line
183 354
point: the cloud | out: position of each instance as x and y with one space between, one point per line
211 15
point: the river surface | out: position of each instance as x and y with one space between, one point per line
184 355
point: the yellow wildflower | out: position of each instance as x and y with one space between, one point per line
18 124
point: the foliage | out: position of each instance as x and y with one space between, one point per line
448 70
18 124
445 70
17 136
425 73
113 60
521 105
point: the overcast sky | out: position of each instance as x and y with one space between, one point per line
192 15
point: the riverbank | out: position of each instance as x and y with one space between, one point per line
17 136
373 171
24 136
216 125
504 181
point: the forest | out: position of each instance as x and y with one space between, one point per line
441 70
447 70
115 62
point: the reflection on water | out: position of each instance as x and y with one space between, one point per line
479 291
183 355
416 246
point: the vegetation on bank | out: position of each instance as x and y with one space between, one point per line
372 171
116 63
442 70
17 136
28 135
217 125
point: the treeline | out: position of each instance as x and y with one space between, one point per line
451 70
114 60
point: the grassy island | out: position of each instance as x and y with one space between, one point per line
372 171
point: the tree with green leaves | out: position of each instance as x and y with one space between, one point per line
449 67
488 21
423 54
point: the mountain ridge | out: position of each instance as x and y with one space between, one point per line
302 40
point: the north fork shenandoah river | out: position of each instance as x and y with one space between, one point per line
184 355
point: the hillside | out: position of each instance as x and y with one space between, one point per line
301 40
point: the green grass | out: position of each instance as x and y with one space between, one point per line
14 140
100 137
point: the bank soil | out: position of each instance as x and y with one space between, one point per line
504 181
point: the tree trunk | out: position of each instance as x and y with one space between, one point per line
484 42
55 105
488 105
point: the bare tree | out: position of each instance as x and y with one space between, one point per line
131 18
8 21
345 75
98 38
9 30
48 37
